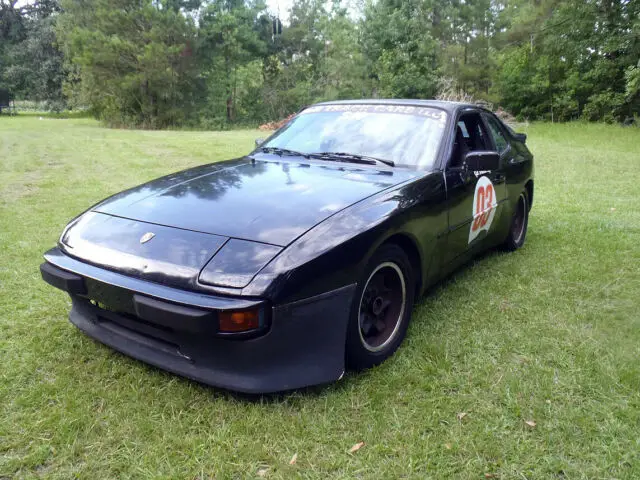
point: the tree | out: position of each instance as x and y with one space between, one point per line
135 59
572 59
401 52
342 67
157 63
31 63
231 36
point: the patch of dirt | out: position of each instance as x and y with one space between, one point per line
277 124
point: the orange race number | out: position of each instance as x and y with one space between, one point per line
484 207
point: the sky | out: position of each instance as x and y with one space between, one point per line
274 6
283 5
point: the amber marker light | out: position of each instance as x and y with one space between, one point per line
233 322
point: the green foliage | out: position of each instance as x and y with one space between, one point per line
31 65
570 59
401 50
607 106
217 63
632 78
231 35
317 57
134 59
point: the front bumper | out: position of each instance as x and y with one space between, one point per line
176 329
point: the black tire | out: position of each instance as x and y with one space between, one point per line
519 224
381 308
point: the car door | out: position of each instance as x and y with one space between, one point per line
472 196
501 144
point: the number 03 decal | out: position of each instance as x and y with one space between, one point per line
484 207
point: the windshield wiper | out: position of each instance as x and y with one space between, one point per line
283 151
351 157
334 156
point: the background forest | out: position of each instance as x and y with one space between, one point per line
215 64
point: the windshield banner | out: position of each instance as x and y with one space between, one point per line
369 108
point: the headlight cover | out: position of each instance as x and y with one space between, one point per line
236 263
83 218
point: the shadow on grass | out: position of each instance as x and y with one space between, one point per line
350 378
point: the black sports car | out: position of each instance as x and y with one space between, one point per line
282 268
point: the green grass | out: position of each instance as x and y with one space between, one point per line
549 334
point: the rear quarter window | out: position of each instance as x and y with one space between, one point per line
497 133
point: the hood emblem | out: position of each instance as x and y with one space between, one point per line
146 237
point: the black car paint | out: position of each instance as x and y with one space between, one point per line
251 198
297 349
316 250
186 240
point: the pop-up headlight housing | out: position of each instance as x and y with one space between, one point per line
237 262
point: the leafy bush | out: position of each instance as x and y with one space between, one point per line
605 106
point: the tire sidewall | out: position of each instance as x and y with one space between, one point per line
357 356
511 243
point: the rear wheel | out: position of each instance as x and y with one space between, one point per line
519 223
381 308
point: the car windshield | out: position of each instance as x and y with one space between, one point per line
406 135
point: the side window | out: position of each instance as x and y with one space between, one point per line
498 136
482 142
463 129
470 136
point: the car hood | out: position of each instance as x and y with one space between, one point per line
269 200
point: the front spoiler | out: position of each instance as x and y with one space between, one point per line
303 346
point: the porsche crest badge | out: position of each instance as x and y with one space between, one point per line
146 237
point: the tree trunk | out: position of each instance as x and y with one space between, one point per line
229 89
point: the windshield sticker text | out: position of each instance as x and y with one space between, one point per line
397 109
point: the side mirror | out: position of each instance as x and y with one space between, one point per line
259 141
482 160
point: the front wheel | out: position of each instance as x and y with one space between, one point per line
381 308
519 223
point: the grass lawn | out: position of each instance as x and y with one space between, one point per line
549 334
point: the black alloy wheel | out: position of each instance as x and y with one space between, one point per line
519 223
381 308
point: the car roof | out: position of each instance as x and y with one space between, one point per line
450 107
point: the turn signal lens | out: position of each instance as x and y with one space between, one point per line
239 321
